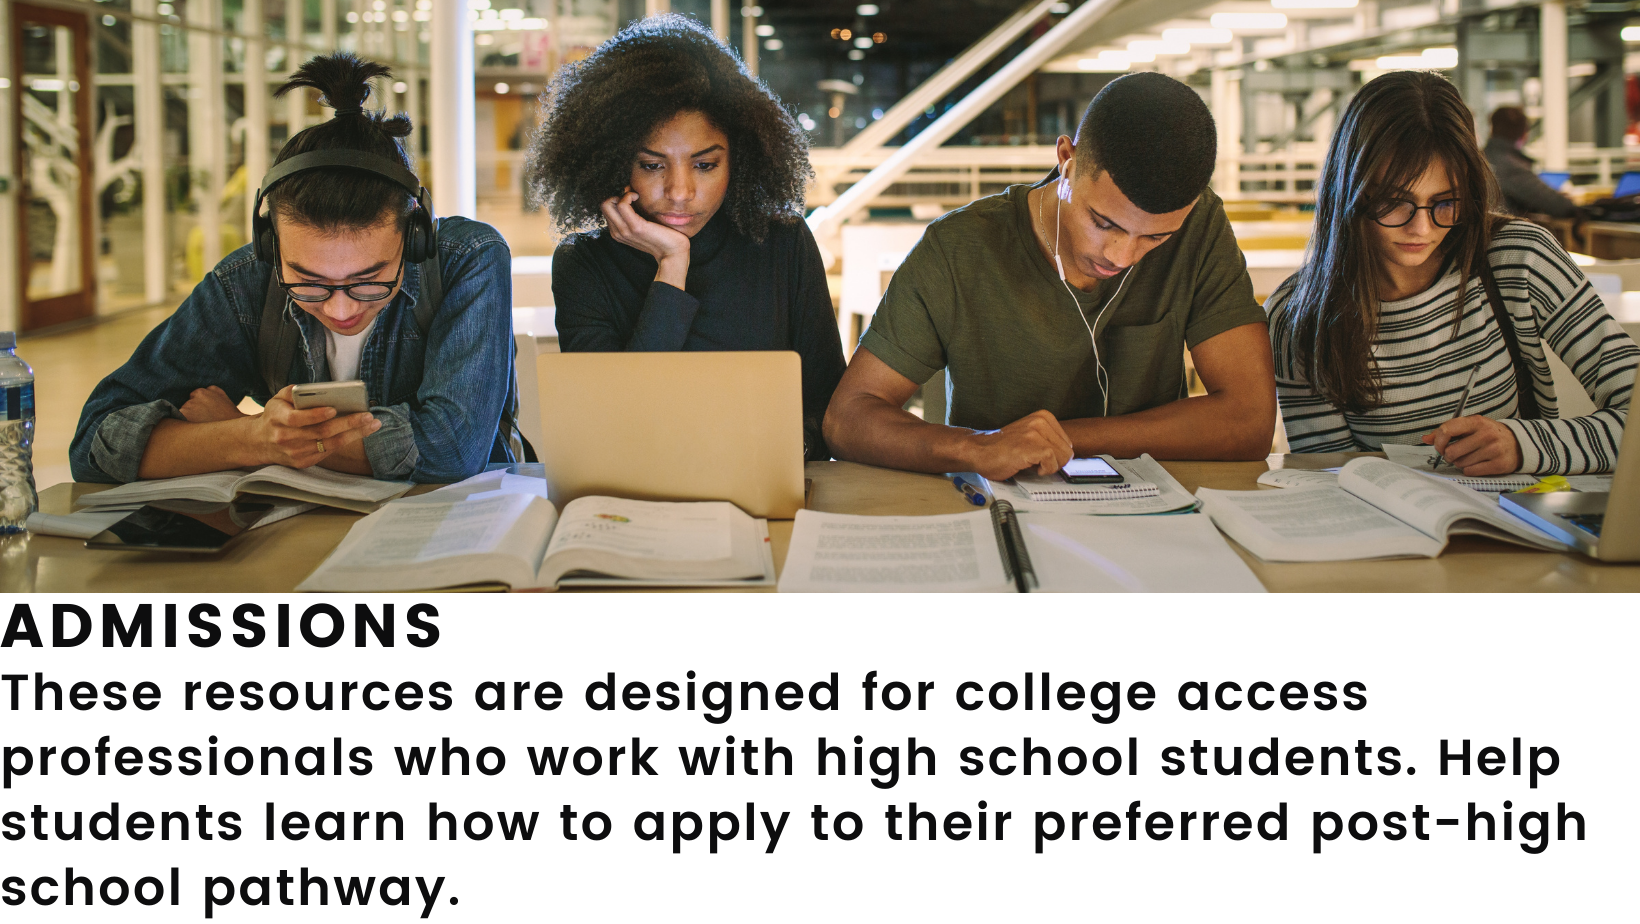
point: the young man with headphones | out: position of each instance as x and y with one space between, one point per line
1061 312
350 276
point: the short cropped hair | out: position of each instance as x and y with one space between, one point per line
1154 136
597 113
1509 123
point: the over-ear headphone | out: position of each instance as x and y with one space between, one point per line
420 232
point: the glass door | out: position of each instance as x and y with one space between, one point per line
54 165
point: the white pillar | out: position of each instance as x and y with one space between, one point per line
327 24
1555 85
207 147
253 24
748 38
150 126
720 19
651 7
296 53
8 171
412 105
450 83
1226 105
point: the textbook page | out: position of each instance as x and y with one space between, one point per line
323 486
212 486
1183 554
677 542
1418 458
1313 524
1299 478
416 544
1433 506
951 552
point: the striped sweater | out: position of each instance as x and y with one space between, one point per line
1424 364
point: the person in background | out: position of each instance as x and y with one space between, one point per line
1523 190
685 179
1376 334
442 400
1062 312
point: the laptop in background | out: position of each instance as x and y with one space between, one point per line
1554 179
1603 526
1627 185
674 427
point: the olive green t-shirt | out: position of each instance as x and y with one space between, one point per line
977 298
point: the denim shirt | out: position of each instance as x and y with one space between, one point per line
440 403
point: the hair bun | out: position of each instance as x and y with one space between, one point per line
342 78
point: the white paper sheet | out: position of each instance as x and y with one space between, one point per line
947 553
491 484
1182 554
403 533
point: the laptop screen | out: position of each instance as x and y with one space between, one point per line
1555 180
1628 185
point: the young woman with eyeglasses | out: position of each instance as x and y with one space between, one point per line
1376 335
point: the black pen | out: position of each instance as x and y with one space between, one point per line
1436 462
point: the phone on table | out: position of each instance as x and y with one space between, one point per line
345 397
181 526
1093 470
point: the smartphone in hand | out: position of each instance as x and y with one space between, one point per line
345 397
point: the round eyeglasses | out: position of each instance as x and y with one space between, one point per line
1393 213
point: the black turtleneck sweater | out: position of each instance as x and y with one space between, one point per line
739 295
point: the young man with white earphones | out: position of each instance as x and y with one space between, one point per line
1063 324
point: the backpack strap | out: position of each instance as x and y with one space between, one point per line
276 340
1526 405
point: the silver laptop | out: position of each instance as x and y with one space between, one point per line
675 427
1604 526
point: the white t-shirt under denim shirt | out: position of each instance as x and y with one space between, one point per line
342 352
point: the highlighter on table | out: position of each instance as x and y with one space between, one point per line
1463 401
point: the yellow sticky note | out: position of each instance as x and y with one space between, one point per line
1548 485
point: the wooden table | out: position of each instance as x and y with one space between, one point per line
277 557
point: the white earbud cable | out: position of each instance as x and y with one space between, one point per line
1099 374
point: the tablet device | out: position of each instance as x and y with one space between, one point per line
1627 185
181 526
1554 179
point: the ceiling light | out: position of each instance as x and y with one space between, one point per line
512 13
764 31
1101 65
1060 9
1199 36
863 41
1631 33
1314 4
400 86
1440 58
773 44
856 54
1163 47
1251 21
879 37
1400 63
867 9
501 89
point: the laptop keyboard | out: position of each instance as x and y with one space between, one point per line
1588 522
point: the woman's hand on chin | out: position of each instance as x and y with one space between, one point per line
668 246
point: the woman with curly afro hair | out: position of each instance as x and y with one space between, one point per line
679 180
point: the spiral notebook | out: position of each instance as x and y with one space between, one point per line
1055 488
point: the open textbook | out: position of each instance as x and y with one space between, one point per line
1418 458
1378 509
1160 492
999 549
310 485
497 536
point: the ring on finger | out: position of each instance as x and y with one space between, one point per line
320 444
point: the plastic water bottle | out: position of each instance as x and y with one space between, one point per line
17 496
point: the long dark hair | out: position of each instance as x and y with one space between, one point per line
598 111
343 199
1393 130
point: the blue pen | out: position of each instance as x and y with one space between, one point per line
974 495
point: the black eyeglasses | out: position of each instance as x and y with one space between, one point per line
1393 213
311 292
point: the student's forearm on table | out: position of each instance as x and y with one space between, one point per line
177 447
870 430
1217 427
